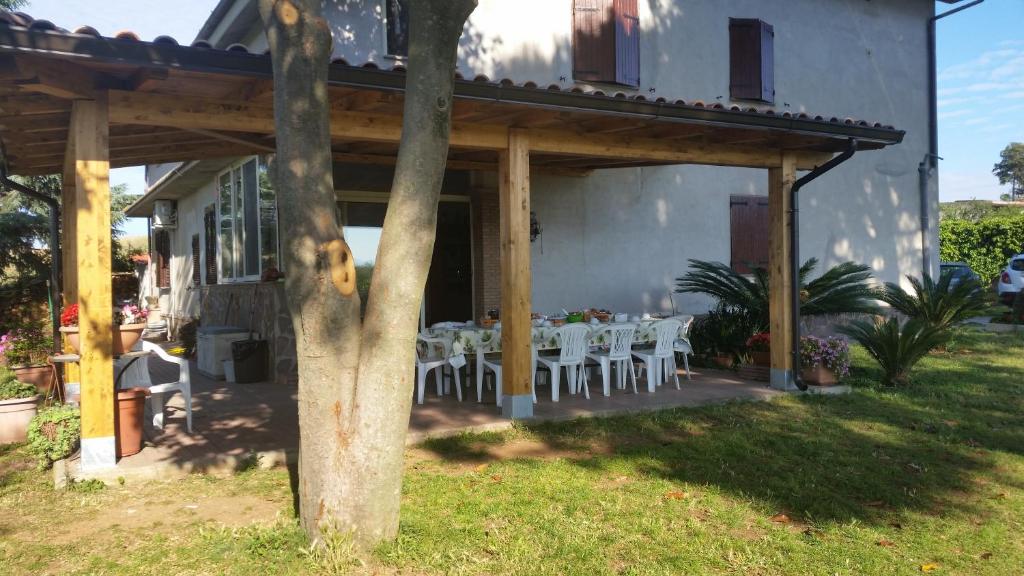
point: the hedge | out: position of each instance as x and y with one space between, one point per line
985 245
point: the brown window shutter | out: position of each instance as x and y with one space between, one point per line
210 244
627 43
751 60
593 40
197 271
162 242
748 227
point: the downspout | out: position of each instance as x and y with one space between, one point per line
55 251
930 166
794 242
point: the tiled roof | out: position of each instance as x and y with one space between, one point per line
16 20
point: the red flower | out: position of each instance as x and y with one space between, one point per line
69 317
760 342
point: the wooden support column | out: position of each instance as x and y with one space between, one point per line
780 183
516 280
89 155
69 253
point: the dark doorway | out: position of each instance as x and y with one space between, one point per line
449 295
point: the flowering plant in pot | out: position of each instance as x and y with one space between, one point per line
128 322
18 401
759 347
54 434
824 361
25 350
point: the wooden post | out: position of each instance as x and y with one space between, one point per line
780 279
516 280
69 252
88 145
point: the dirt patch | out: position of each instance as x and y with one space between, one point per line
158 515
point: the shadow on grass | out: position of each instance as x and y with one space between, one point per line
858 457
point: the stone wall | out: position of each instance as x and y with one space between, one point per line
260 307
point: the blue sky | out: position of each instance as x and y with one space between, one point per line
981 95
980 63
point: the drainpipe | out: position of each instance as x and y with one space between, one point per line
794 242
930 166
55 252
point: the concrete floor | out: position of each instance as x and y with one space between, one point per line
238 425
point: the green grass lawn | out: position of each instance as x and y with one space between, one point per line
928 478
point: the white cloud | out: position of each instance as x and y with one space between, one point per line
954 114
965 185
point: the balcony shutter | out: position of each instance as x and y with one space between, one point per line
751 60
627 43
210 245
162 243
748 226
593 40
197 270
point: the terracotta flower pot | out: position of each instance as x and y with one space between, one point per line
124 336
722 361
818 376
40 375
761 358
131 409
14 418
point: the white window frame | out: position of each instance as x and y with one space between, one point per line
239 197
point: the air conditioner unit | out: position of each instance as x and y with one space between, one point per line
165 214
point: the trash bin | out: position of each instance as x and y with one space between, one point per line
250 359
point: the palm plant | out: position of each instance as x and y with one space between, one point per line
941 304
841 289
896 349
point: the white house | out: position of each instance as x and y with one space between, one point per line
612 238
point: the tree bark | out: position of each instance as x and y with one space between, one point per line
356 380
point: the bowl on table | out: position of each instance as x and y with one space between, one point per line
557 320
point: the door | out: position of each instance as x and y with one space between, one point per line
449 294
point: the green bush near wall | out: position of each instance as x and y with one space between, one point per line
985 244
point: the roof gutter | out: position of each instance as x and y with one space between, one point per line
160 183
929 166
794 242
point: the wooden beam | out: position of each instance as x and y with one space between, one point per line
89 129
780 282
516 282
199 113
57 78
255 143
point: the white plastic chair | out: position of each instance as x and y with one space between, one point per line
137 375
620 347
575 339
663 355
682 343
494 365
434 357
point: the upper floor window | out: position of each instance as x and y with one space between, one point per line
397 18
751 60
247 222
606 41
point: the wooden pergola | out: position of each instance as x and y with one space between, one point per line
78 104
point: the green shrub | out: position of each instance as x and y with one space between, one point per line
11 388
53 434
985 245
896 348
723 331
841 289
941 304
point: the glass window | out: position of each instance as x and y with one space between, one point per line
248 222
268 220
1017 265
227 228
251 220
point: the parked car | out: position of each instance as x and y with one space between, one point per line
1011 280
960 271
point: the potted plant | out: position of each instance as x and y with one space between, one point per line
18 401
54 434
824 361
759 347
129 321
25 350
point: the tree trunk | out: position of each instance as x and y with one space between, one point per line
355 382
